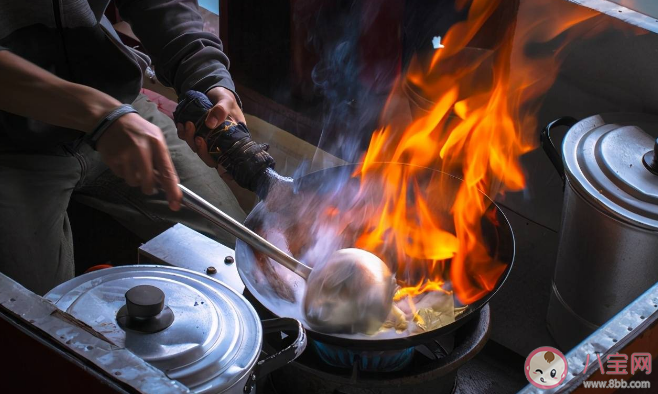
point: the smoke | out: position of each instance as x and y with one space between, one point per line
357 64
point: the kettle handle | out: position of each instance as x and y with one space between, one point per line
549 147
281 357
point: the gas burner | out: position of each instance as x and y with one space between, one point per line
367 361
430 367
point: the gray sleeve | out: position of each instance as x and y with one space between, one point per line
171 31
3 48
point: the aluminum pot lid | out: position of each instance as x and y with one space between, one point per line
603 160
212 342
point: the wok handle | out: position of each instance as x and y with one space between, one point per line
549 147
281 358
240 231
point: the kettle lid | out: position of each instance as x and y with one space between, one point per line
604 157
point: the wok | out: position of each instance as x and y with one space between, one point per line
265 279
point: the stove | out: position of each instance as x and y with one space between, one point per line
446 364
429 368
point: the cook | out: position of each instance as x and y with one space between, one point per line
74 124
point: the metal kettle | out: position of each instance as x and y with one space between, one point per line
608 239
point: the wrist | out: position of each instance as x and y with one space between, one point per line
96 106
107 121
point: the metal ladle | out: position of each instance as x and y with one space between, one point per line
350 292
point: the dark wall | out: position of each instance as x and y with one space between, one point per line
335 60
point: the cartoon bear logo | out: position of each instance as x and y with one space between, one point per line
546 367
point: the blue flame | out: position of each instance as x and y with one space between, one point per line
370 361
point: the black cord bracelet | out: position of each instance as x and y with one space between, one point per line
98 131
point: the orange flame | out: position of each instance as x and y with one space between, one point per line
480 125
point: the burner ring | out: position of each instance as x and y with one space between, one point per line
309 374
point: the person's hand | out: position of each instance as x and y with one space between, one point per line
135 150
225 106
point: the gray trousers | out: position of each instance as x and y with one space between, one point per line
36 246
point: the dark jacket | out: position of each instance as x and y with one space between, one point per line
74 40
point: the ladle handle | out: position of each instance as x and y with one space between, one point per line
219 218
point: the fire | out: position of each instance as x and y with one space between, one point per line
420 288
478 128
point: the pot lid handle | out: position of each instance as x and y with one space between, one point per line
650 159
144 301
145 310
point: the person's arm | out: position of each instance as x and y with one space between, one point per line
30 91
132 148
185 57
171 31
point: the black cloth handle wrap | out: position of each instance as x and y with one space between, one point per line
230 144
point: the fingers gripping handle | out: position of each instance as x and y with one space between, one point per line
194 107
230 145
